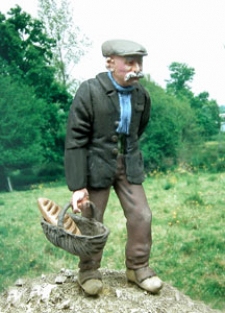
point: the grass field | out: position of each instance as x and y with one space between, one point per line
188 234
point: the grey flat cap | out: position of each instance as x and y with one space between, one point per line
122 47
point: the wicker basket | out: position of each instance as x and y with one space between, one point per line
92 239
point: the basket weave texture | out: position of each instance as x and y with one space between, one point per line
92 239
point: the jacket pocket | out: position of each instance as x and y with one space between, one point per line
135 167
139 107
100 172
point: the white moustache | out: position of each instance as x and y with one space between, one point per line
130 75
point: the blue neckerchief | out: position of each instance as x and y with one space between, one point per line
125 105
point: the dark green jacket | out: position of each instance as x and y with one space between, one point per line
91 147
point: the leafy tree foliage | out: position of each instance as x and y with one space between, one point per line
71 43
20 125
207 114
180 76
172 125
206 110
27 50
26 55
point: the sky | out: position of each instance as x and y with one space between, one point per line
184 31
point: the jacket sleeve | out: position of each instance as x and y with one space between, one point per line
146 114
77 138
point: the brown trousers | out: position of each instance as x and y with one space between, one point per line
138 216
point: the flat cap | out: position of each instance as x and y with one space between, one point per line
122 47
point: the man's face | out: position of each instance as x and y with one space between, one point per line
126 70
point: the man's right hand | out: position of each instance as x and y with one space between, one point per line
79 197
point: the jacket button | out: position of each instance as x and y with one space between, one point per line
115 151
114 138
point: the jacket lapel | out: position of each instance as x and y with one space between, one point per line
109 90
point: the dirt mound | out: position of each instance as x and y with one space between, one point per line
60 293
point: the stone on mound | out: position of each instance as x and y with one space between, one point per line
61 293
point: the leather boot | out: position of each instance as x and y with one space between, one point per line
145 278
90 281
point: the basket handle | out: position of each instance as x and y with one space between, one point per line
67 206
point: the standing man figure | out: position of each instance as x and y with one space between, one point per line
108 115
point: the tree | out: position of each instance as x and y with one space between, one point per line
26 56
172 126
20 127
206 111
71 43
26 49
207 114
180 76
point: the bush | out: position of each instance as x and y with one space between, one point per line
172 126
210 157
51 172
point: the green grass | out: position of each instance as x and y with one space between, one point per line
188 234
